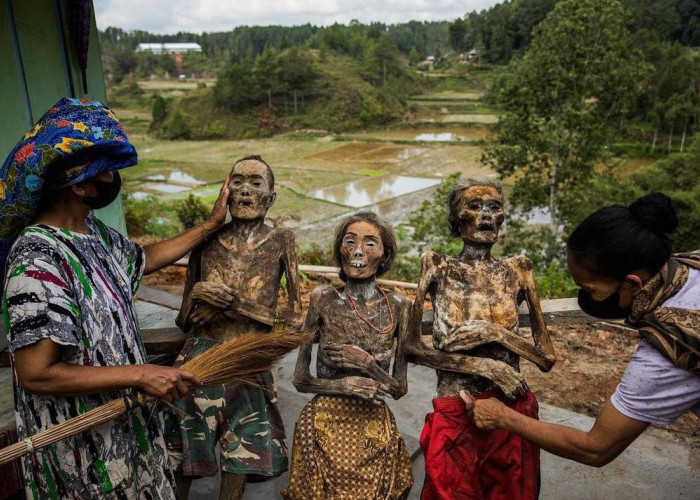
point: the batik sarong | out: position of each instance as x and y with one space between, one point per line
347 448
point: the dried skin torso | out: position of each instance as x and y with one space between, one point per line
488 290
252 268
338 324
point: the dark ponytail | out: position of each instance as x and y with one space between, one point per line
616 240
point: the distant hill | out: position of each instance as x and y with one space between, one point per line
289 90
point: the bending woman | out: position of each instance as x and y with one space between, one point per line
621 258
69 309
346 443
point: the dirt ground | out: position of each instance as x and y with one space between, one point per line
591 361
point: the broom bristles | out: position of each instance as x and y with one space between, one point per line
239 359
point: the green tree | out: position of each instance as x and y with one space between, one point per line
458 33
192 211
559 103
159 110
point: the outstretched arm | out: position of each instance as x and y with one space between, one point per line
362 387
610 435
510 381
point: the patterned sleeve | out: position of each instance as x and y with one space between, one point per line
39 302
130 255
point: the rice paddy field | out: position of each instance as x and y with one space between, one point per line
320 177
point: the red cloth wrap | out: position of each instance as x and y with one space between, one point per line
463 462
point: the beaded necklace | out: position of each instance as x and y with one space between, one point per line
366 320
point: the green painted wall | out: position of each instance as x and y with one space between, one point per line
38 66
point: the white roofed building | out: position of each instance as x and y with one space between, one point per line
169 48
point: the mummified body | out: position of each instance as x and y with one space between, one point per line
231 288
477 348
346 443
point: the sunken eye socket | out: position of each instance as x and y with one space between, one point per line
349 241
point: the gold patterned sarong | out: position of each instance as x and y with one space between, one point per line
348 449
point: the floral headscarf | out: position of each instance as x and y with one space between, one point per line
75 140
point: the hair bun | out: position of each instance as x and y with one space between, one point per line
655 212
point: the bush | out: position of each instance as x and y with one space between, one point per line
149 216
555 282
159 110
177 126
315 255
137 214
192 211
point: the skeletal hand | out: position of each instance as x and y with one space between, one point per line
469 335
487 414
349 356
216 294
203 313
366 388
511 382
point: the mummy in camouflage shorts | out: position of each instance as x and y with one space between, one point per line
231 289
244 419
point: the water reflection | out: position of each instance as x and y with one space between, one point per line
372 190
167 188
178 177
441 137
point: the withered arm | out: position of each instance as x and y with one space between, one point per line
191 278
477 332
544 356
291 270
397 381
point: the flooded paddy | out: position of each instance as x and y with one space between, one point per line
390 171
372 190
428 134
474 118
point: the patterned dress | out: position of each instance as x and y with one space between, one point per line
77 290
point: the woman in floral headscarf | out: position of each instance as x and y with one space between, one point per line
68 307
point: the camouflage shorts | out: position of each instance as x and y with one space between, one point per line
243 418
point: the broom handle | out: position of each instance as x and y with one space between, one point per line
91 419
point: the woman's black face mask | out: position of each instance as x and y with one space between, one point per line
107 192
604 309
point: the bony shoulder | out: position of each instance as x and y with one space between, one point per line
520 262
432 258
398 299
322 292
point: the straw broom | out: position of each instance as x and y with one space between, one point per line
239 359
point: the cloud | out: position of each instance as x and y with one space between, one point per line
171 16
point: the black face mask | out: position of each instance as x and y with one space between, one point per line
107 192
604 309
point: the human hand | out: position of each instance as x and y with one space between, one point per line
349 356
218 214
165 382
487 414
217 294
366 388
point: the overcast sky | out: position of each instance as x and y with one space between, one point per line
171 16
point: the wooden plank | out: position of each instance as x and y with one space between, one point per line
163 340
